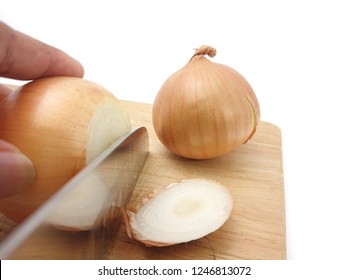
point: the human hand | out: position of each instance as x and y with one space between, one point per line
25 58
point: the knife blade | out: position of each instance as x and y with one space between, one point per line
116 170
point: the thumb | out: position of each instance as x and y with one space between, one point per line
16 170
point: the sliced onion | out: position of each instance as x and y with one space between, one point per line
60 123
184 211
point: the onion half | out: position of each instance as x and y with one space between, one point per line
60 123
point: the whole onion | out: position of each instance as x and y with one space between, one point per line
205 109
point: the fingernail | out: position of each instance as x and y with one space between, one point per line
17 173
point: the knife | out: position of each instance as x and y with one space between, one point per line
116 170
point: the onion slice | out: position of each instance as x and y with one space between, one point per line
182 212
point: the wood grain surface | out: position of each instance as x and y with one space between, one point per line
254 174
256 228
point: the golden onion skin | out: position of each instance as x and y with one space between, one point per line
48 120
205 110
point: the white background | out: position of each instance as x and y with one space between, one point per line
293 53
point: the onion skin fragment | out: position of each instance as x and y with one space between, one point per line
182 212
205 109
48 120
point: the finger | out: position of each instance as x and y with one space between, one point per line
16 173
4 91
16 170
25 58
8 147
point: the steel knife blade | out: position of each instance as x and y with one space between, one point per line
49 233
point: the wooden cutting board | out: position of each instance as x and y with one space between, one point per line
256 228
253 172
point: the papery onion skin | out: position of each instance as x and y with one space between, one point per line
205 109
48 120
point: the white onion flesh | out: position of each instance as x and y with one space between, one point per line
107 125
80 209
183 212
